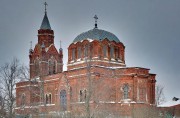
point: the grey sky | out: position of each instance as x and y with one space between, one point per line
150 30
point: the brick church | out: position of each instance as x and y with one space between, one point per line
97 79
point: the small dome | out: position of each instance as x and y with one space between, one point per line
96 34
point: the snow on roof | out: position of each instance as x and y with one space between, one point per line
170 103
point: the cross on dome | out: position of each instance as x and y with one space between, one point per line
96 18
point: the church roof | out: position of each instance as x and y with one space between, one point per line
170 103
96 34
45 23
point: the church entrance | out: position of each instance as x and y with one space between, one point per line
63 100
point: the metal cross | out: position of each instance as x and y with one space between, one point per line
95 17
45 4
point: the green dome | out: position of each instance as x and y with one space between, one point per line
96 34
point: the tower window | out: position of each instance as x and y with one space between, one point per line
52 66
36 66
125 91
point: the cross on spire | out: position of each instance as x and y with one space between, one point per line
45 4
95 18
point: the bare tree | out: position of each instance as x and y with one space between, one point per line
10 74
160 98
2 103
24 70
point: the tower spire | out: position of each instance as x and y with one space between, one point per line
45 23
95 17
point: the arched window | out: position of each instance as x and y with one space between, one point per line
116 53
80 96
52 66
104 51
79 53
142 94
73 54
23 99
85 94
112 51
63 100
71 94
48 98
125 91
85 50
36 67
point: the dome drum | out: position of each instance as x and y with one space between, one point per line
103 52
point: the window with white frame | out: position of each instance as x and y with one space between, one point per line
125 91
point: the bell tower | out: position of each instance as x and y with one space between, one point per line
45 58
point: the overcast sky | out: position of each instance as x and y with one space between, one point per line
150 30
